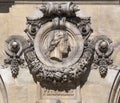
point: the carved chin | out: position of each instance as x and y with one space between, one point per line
59 57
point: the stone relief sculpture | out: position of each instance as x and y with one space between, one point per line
59 46
59 50
104 49
14 49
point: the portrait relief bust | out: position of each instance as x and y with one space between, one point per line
59 47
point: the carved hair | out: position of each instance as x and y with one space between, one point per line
56 47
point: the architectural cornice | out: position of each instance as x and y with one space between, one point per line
75 1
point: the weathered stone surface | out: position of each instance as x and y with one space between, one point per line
105 21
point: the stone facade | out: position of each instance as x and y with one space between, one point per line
104 21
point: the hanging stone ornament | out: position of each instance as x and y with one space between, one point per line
103 51
14 49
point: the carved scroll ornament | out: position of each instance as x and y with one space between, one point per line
59 50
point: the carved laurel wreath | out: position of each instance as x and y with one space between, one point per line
43 72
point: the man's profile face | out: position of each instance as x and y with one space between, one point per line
64 45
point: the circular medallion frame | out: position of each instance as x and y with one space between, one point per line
42 41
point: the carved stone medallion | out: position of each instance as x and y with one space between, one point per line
58 48
58 56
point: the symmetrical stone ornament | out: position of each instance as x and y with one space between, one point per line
14 48
59 51
103 50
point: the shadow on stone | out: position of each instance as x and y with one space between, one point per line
78 82
4 7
